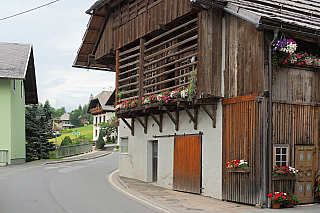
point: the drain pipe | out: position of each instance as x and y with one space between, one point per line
270 128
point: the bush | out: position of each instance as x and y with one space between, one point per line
100 142
66 141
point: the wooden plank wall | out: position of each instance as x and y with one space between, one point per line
297 83
297 124
106 42
210 52
244 72
240 140
161 13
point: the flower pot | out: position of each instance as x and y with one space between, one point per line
276 205
289 205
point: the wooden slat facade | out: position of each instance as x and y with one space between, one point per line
244 72
240 136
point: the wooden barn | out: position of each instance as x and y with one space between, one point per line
196 88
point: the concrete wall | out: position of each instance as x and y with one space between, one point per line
12 114
135 164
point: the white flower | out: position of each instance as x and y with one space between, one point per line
184 93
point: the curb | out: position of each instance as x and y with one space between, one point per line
81 159
122 183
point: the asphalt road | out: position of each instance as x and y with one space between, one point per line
73 187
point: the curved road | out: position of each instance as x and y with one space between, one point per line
76 187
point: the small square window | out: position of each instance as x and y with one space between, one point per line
280 157
14 85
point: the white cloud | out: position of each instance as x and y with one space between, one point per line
56 33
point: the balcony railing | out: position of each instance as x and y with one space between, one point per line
66 151
159 63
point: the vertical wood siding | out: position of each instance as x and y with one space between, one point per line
244 72
158 14
240 140
106 43
297 83
210 52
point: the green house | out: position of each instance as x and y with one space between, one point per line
17 89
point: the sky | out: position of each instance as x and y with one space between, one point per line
56 32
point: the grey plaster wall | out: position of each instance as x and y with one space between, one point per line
134 164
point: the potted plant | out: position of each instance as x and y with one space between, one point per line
276 199
284 173
289 200
317 185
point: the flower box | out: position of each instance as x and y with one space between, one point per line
283 177
246 170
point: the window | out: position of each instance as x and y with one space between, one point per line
104 118
99 119
96 120
14 85
96 133
124 145
281 154
21 90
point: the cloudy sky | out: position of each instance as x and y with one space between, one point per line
56 33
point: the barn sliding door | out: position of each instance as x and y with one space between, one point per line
187 164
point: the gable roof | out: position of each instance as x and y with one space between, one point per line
294 13
105 99
65 117
17 62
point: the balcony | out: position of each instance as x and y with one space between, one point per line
96 111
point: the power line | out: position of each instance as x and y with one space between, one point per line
28 10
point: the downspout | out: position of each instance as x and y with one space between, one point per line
270 144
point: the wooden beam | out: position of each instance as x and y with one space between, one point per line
239 99
103 26
143 124
141 69
194 117
212 115
174 120
159 122
117 76
131 127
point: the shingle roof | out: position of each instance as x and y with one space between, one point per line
14 60
103 98
300 13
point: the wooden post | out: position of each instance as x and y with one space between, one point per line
141 69
117 76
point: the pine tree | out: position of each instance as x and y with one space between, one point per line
32 134
46 130
100 142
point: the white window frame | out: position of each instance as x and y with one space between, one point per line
124 145
281 161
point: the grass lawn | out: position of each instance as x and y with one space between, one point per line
85 130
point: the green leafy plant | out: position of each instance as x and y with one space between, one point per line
317 190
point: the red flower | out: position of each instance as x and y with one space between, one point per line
294 202
276 198
281 193
284 197
289 198
317 180
269 195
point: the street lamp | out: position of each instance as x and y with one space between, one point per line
38 116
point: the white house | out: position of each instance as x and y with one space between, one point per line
102 109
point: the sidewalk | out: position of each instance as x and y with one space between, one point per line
179 201
174 201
